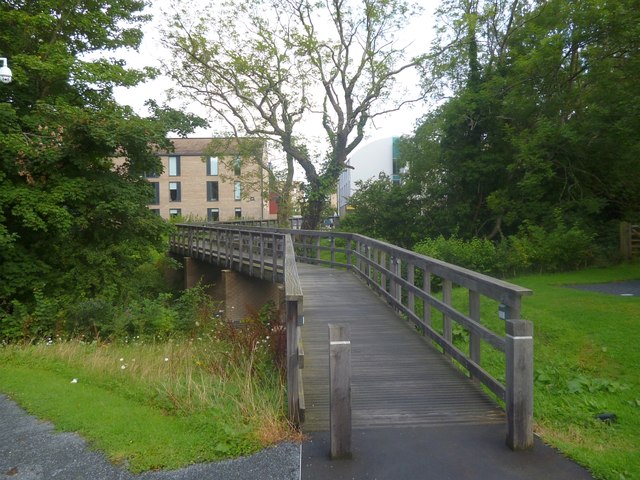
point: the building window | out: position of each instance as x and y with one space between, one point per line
150 174
237 166
212 192
237 191
174 166
156 211
212 166
175 212
213 214
174 191
156 193
238 213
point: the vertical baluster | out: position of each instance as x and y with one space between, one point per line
474 338
447 288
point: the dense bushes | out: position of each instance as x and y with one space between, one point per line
158 316
532 249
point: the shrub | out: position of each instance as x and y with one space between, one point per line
557 249
90 318
23 322
478 254
532 249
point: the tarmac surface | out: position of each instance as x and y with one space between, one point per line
464 452
629 288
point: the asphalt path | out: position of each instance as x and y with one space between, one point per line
30 449
629 288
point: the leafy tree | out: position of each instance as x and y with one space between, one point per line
389 212
267 67
71 224
535 116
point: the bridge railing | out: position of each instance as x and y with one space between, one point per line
265 254
421 289
257 252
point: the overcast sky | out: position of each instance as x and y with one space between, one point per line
419 33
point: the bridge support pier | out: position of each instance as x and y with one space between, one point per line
241 295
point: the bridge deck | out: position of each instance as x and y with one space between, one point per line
398 379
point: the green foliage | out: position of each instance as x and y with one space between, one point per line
534 248
380 209
538 118
531 249
477 254
72 226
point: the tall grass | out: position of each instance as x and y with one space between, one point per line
224 387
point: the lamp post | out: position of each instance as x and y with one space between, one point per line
5 71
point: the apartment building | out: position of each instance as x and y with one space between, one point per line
212 178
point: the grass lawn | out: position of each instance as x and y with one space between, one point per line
151 406
587 356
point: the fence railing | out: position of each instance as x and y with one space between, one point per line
421 289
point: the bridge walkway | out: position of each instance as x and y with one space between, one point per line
398 379
415 416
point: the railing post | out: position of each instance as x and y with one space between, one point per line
426 287
411 278
394 286
474 338
293 399
367 264
190 240
447 290
333 251
340 391
519 384
274 261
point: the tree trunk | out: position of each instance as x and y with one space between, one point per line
312 214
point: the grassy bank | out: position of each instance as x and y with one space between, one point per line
586 363
152 406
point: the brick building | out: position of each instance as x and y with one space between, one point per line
213 179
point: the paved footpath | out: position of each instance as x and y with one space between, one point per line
466 452
30 449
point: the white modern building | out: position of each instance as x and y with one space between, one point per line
369 161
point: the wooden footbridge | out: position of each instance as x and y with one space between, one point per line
419 329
